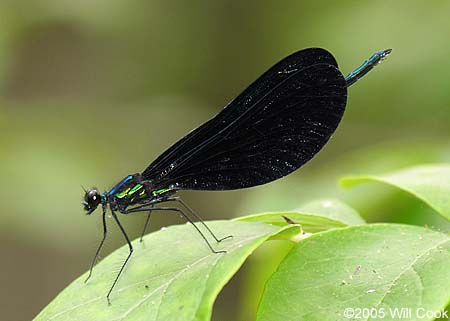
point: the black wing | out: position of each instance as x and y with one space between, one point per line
271 129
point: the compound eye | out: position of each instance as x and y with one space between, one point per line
92 199
92 196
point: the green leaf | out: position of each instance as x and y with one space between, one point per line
315 216
429 183
172 275
379 266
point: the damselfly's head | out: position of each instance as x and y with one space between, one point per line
92 199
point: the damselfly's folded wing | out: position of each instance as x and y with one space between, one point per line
271 129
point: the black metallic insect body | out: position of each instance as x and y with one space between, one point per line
271 129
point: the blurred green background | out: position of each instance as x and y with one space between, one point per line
93 90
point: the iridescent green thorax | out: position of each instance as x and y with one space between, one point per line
160 191
139 191
131 191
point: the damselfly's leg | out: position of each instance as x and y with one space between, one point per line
126 260
179 200
146 224
179 210
105 231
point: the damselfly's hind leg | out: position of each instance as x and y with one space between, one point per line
146 224
183 203
184 214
